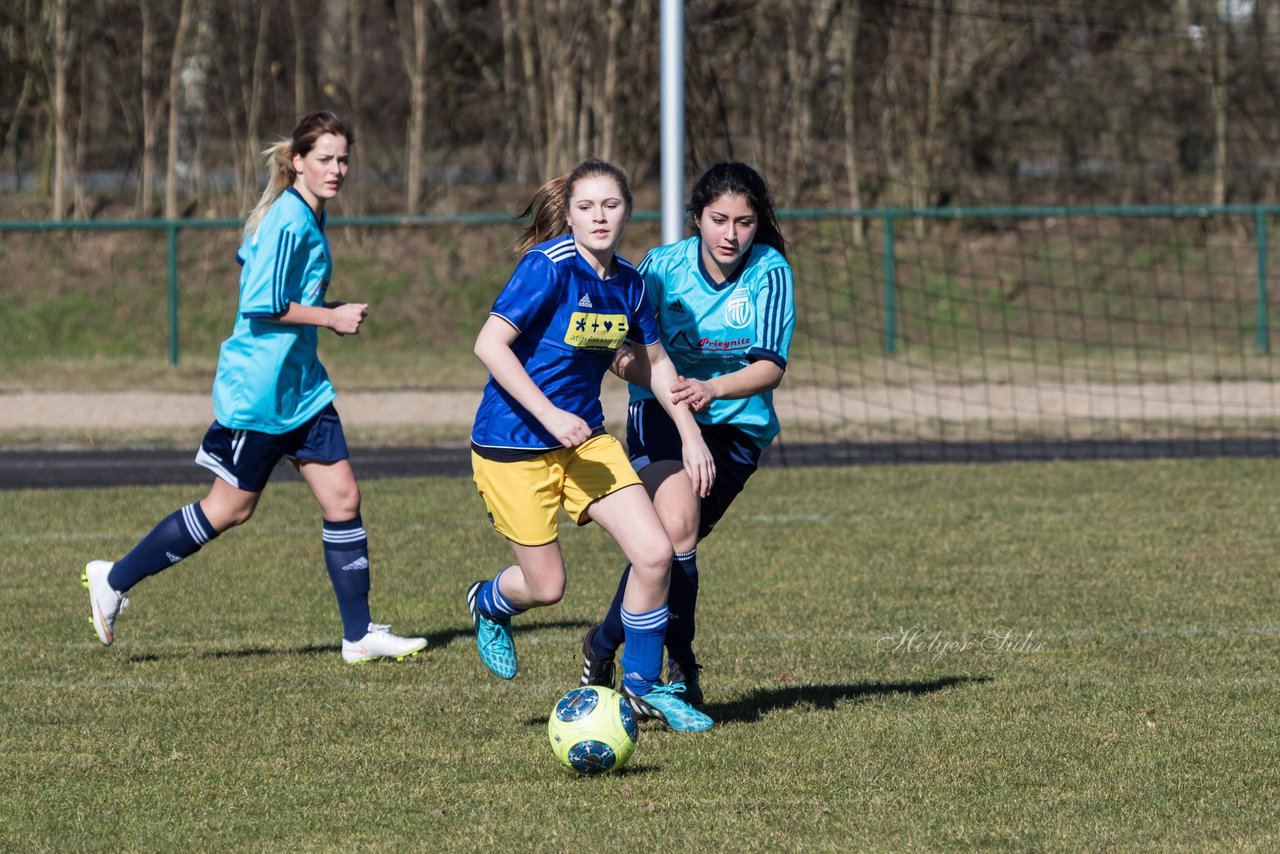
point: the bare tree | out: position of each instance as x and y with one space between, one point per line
175 65
807 40
61 54
607 107
533 104
299 58
152 104
413 52
1218 99
850 21
516 153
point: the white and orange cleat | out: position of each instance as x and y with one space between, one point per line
104 603
380 643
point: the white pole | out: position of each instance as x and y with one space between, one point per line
672 120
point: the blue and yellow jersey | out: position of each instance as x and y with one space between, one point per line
269 377
710 329
570 322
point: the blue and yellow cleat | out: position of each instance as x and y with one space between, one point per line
665 703
493 638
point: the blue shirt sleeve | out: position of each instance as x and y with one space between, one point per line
274 274
644 322
534 287
775 317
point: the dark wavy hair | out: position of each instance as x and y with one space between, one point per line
739 179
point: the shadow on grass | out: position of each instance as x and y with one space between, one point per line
753 706
435 641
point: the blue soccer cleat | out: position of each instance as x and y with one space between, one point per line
493 638
665 703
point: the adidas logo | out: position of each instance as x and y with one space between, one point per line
173 558
585 302
357 565
676 307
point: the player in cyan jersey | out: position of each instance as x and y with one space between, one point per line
539 442
272 398
726 311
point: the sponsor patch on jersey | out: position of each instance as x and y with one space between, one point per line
738 313
588 329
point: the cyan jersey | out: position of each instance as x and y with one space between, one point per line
269 378
570 323
710 329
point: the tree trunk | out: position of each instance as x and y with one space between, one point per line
852 18
331 52
257 81
516 150
175 66
61 58
1218 99
413 50
534 103
85 25
298 35
151 106
606 107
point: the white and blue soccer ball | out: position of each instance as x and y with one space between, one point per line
593 730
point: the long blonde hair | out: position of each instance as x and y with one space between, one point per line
279 159
550 204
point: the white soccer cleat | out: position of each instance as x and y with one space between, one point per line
380 643
104 603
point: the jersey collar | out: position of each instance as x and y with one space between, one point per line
320 220
706 275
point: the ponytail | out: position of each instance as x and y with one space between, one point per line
549 211
280 177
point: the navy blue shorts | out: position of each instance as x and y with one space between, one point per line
652 436
245 458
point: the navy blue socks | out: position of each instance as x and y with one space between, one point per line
346 556
179 535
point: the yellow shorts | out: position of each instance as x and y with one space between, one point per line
523 496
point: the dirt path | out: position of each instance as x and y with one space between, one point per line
1149 401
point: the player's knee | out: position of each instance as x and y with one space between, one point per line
343 503
655 561
224 517
546 592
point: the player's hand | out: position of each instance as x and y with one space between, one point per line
699 466
696 394
569 430
348 316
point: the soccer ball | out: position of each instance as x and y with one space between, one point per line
593 730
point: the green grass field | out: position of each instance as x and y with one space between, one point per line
1021 657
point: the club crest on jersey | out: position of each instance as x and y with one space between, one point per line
588 329
738 313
